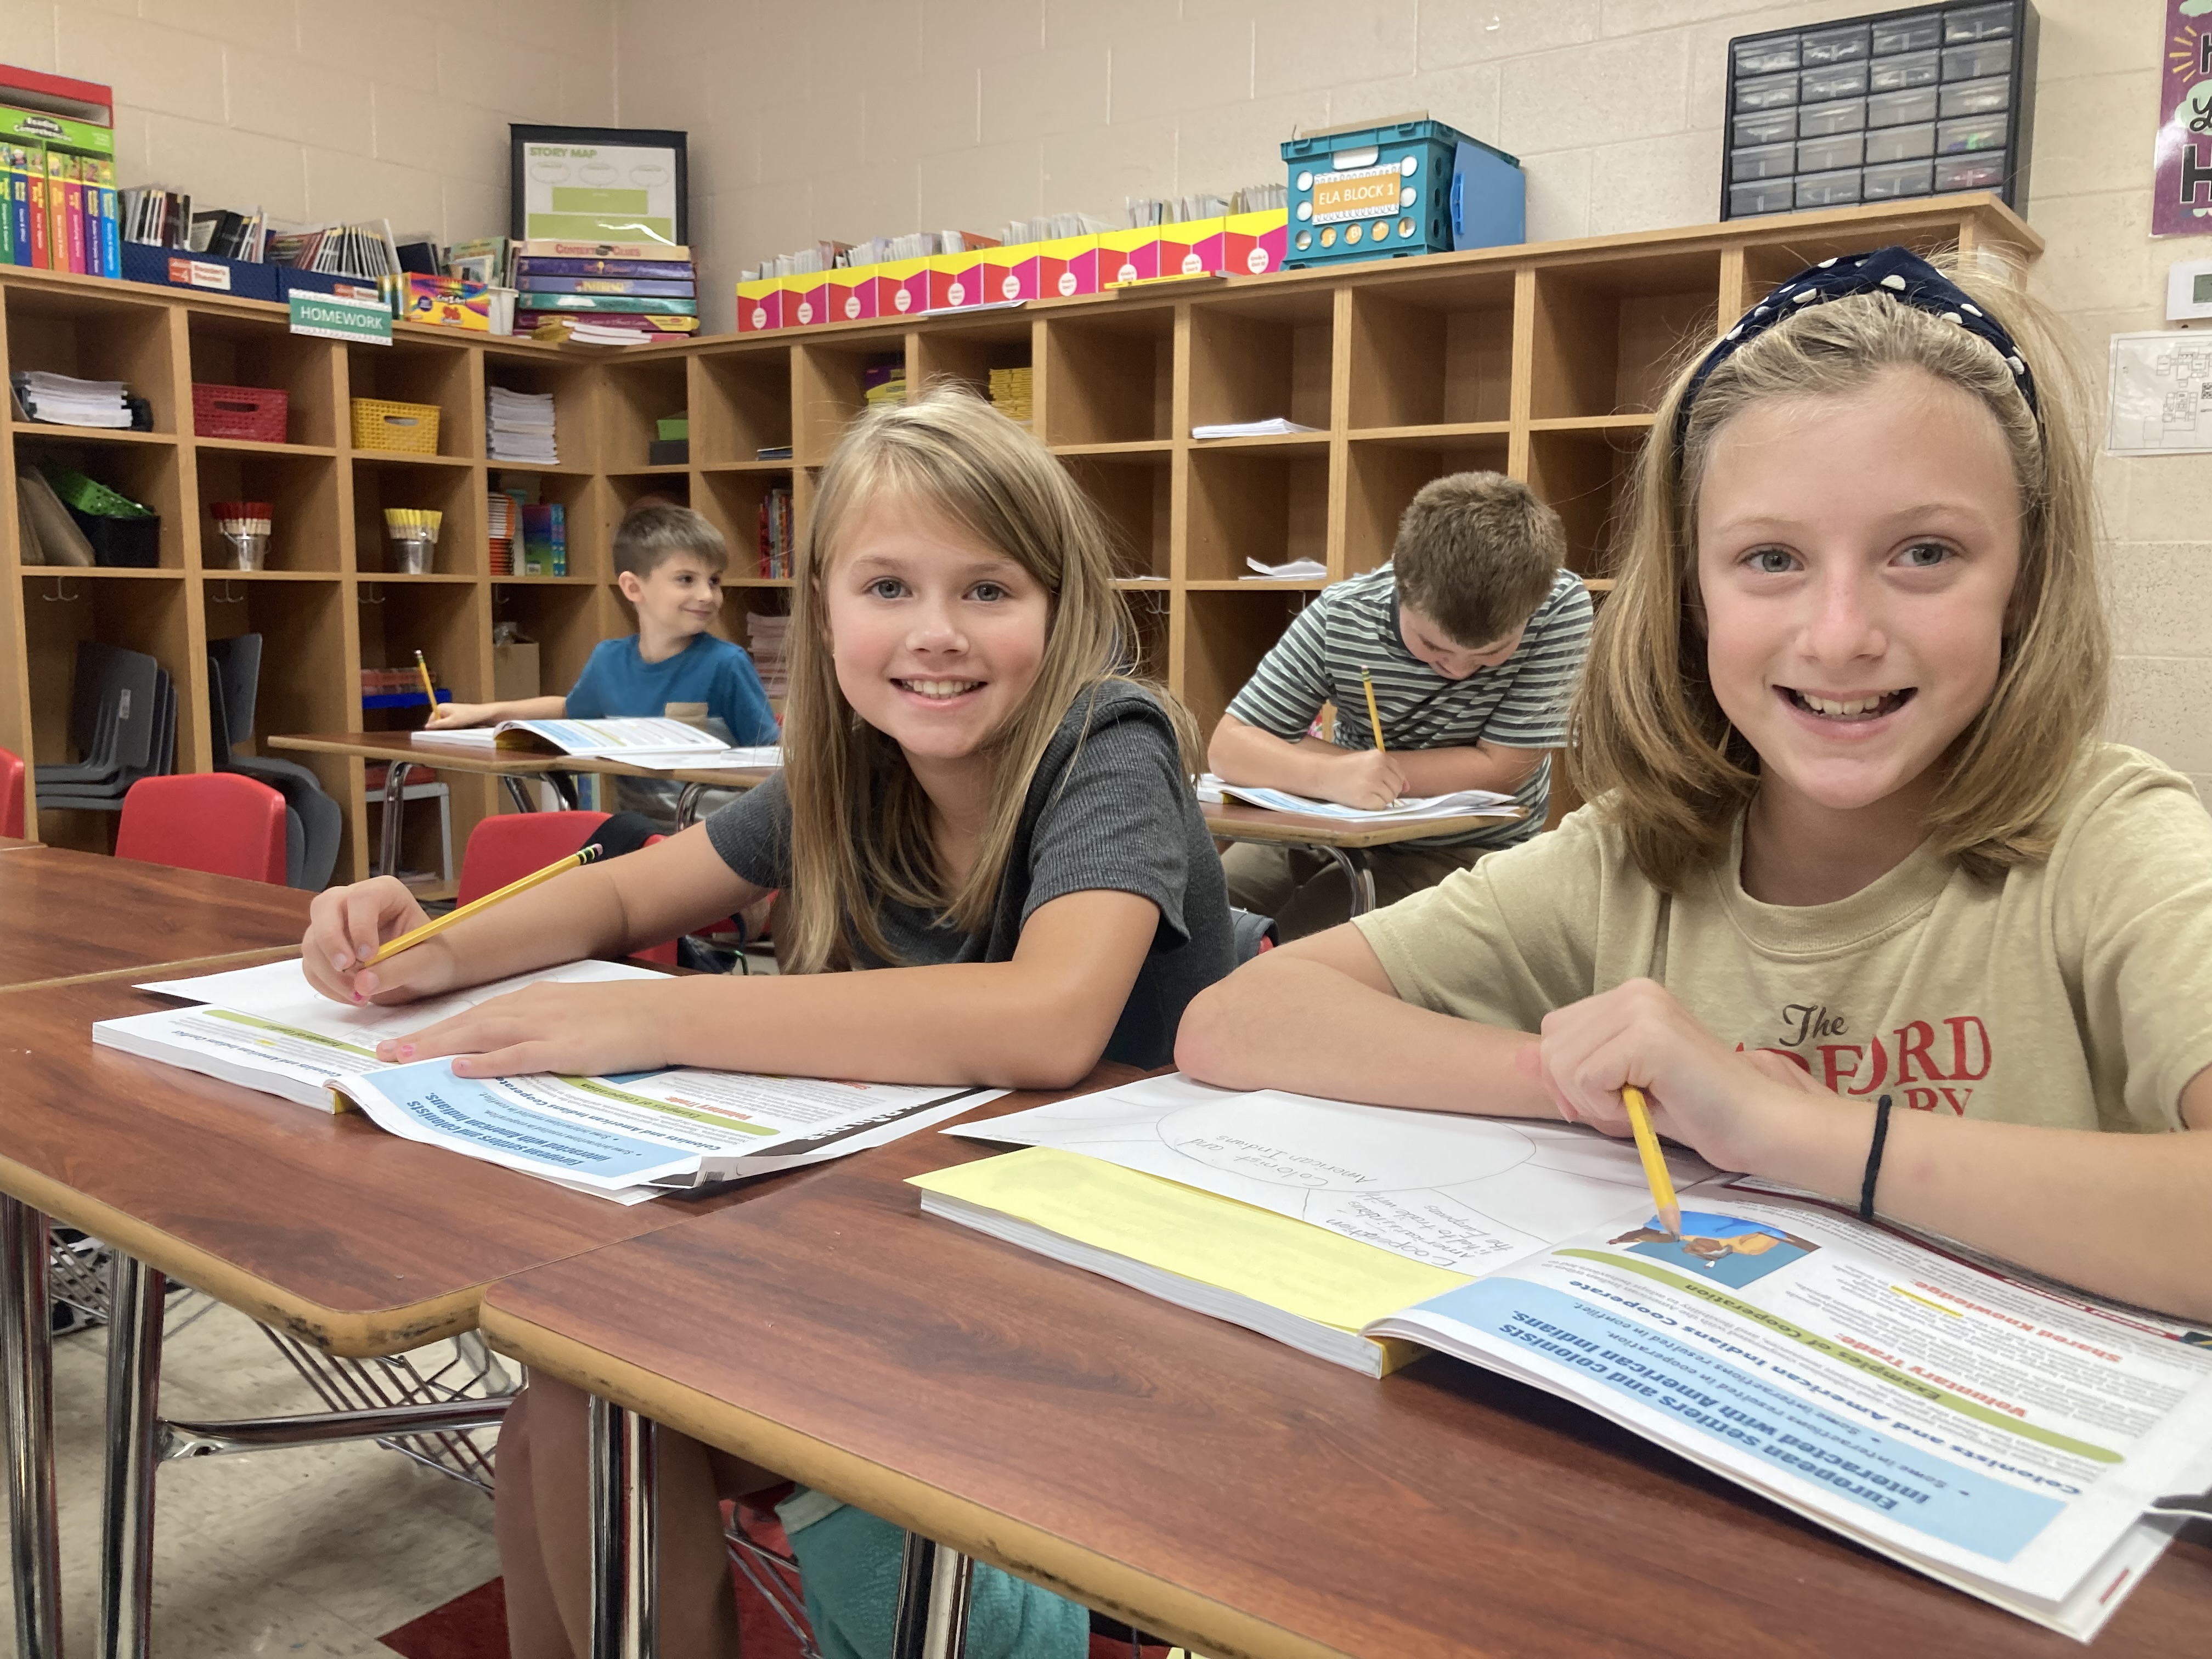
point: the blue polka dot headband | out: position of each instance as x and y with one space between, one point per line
1896 272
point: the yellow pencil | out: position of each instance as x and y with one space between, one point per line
430 685
1374 716
1654 1164
559 867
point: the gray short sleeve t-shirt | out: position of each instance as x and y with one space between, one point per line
1108 809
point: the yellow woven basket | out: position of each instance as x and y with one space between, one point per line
378 424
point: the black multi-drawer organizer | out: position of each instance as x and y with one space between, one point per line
1919 102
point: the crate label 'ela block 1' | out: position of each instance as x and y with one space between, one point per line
902 288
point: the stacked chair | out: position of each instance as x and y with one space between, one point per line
313 821
122 719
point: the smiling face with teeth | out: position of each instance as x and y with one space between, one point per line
1856 558
936 637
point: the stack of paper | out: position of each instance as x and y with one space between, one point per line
1459 804
62 400
521 425
765 641
1276 428
1011 392
1290 570
564 330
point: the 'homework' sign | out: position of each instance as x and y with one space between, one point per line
334 317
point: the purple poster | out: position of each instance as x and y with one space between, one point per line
2183 204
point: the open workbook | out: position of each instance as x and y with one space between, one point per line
2000 1432
1457 805
628 1139
657 744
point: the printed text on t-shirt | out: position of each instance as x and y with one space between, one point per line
1931 1065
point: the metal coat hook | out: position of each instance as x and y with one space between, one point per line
367 588
61 595
228 596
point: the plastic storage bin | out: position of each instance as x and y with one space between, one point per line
411 429
1767 161
1767 195
1897 109
1406 188
1886 144
1978 59
1914 33
1983 171
1842 45
1978 132
1767 127
1819 120
1977 22
1976 98
1915 69
1845 149
1836 81
240 411
1820 189
1767 57
1899 179
1768 92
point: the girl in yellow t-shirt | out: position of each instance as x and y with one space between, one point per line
1860 901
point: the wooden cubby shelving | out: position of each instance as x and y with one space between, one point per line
1542 361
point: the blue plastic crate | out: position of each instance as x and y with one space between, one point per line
1411 186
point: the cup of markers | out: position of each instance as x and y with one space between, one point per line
241 528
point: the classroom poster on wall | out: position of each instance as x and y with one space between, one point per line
2182 172
599 184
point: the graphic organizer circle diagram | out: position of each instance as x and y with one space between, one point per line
1403 1151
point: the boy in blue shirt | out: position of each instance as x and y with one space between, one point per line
669 564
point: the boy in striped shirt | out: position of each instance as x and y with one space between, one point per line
1474 635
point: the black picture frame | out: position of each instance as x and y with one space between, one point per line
520 136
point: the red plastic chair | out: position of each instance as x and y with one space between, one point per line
11 794
218 821
509 846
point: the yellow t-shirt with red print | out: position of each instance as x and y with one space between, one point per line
2075 993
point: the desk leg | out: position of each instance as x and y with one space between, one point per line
687 804
517 793
625 1545
134 1386
27 1336
1358 877
935 1584
395 805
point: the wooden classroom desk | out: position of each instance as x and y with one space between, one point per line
1206 1483
1345 844
70 915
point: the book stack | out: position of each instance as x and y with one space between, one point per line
520 426
765 638
544 540
645 289
367 252
883 383
499 518
57 175
1010 393
62 400
776 535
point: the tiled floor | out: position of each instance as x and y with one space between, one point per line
310 1553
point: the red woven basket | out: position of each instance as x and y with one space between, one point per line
240 411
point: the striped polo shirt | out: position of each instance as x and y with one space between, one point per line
1353 624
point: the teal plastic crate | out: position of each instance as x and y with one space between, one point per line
1405 187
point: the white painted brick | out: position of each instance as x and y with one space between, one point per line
2097 251
1076 23
492 70
794 142
2169 498
269 25
226 168
1621 90
1465 97
1193 67
2092 133
981 189
1234 144
1062 89
587 96
27 26
721 161
909 118
2098 37
1454 35
1559 195
2163 705
980 31
284 98
1655 182
1095 171
440 137
341 186
1314 45
865 201
151 68
474 210
110 8
759 223
365 43
2154 597
1638 17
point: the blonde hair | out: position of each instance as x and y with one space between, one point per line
860 820
1476 554
1646 730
